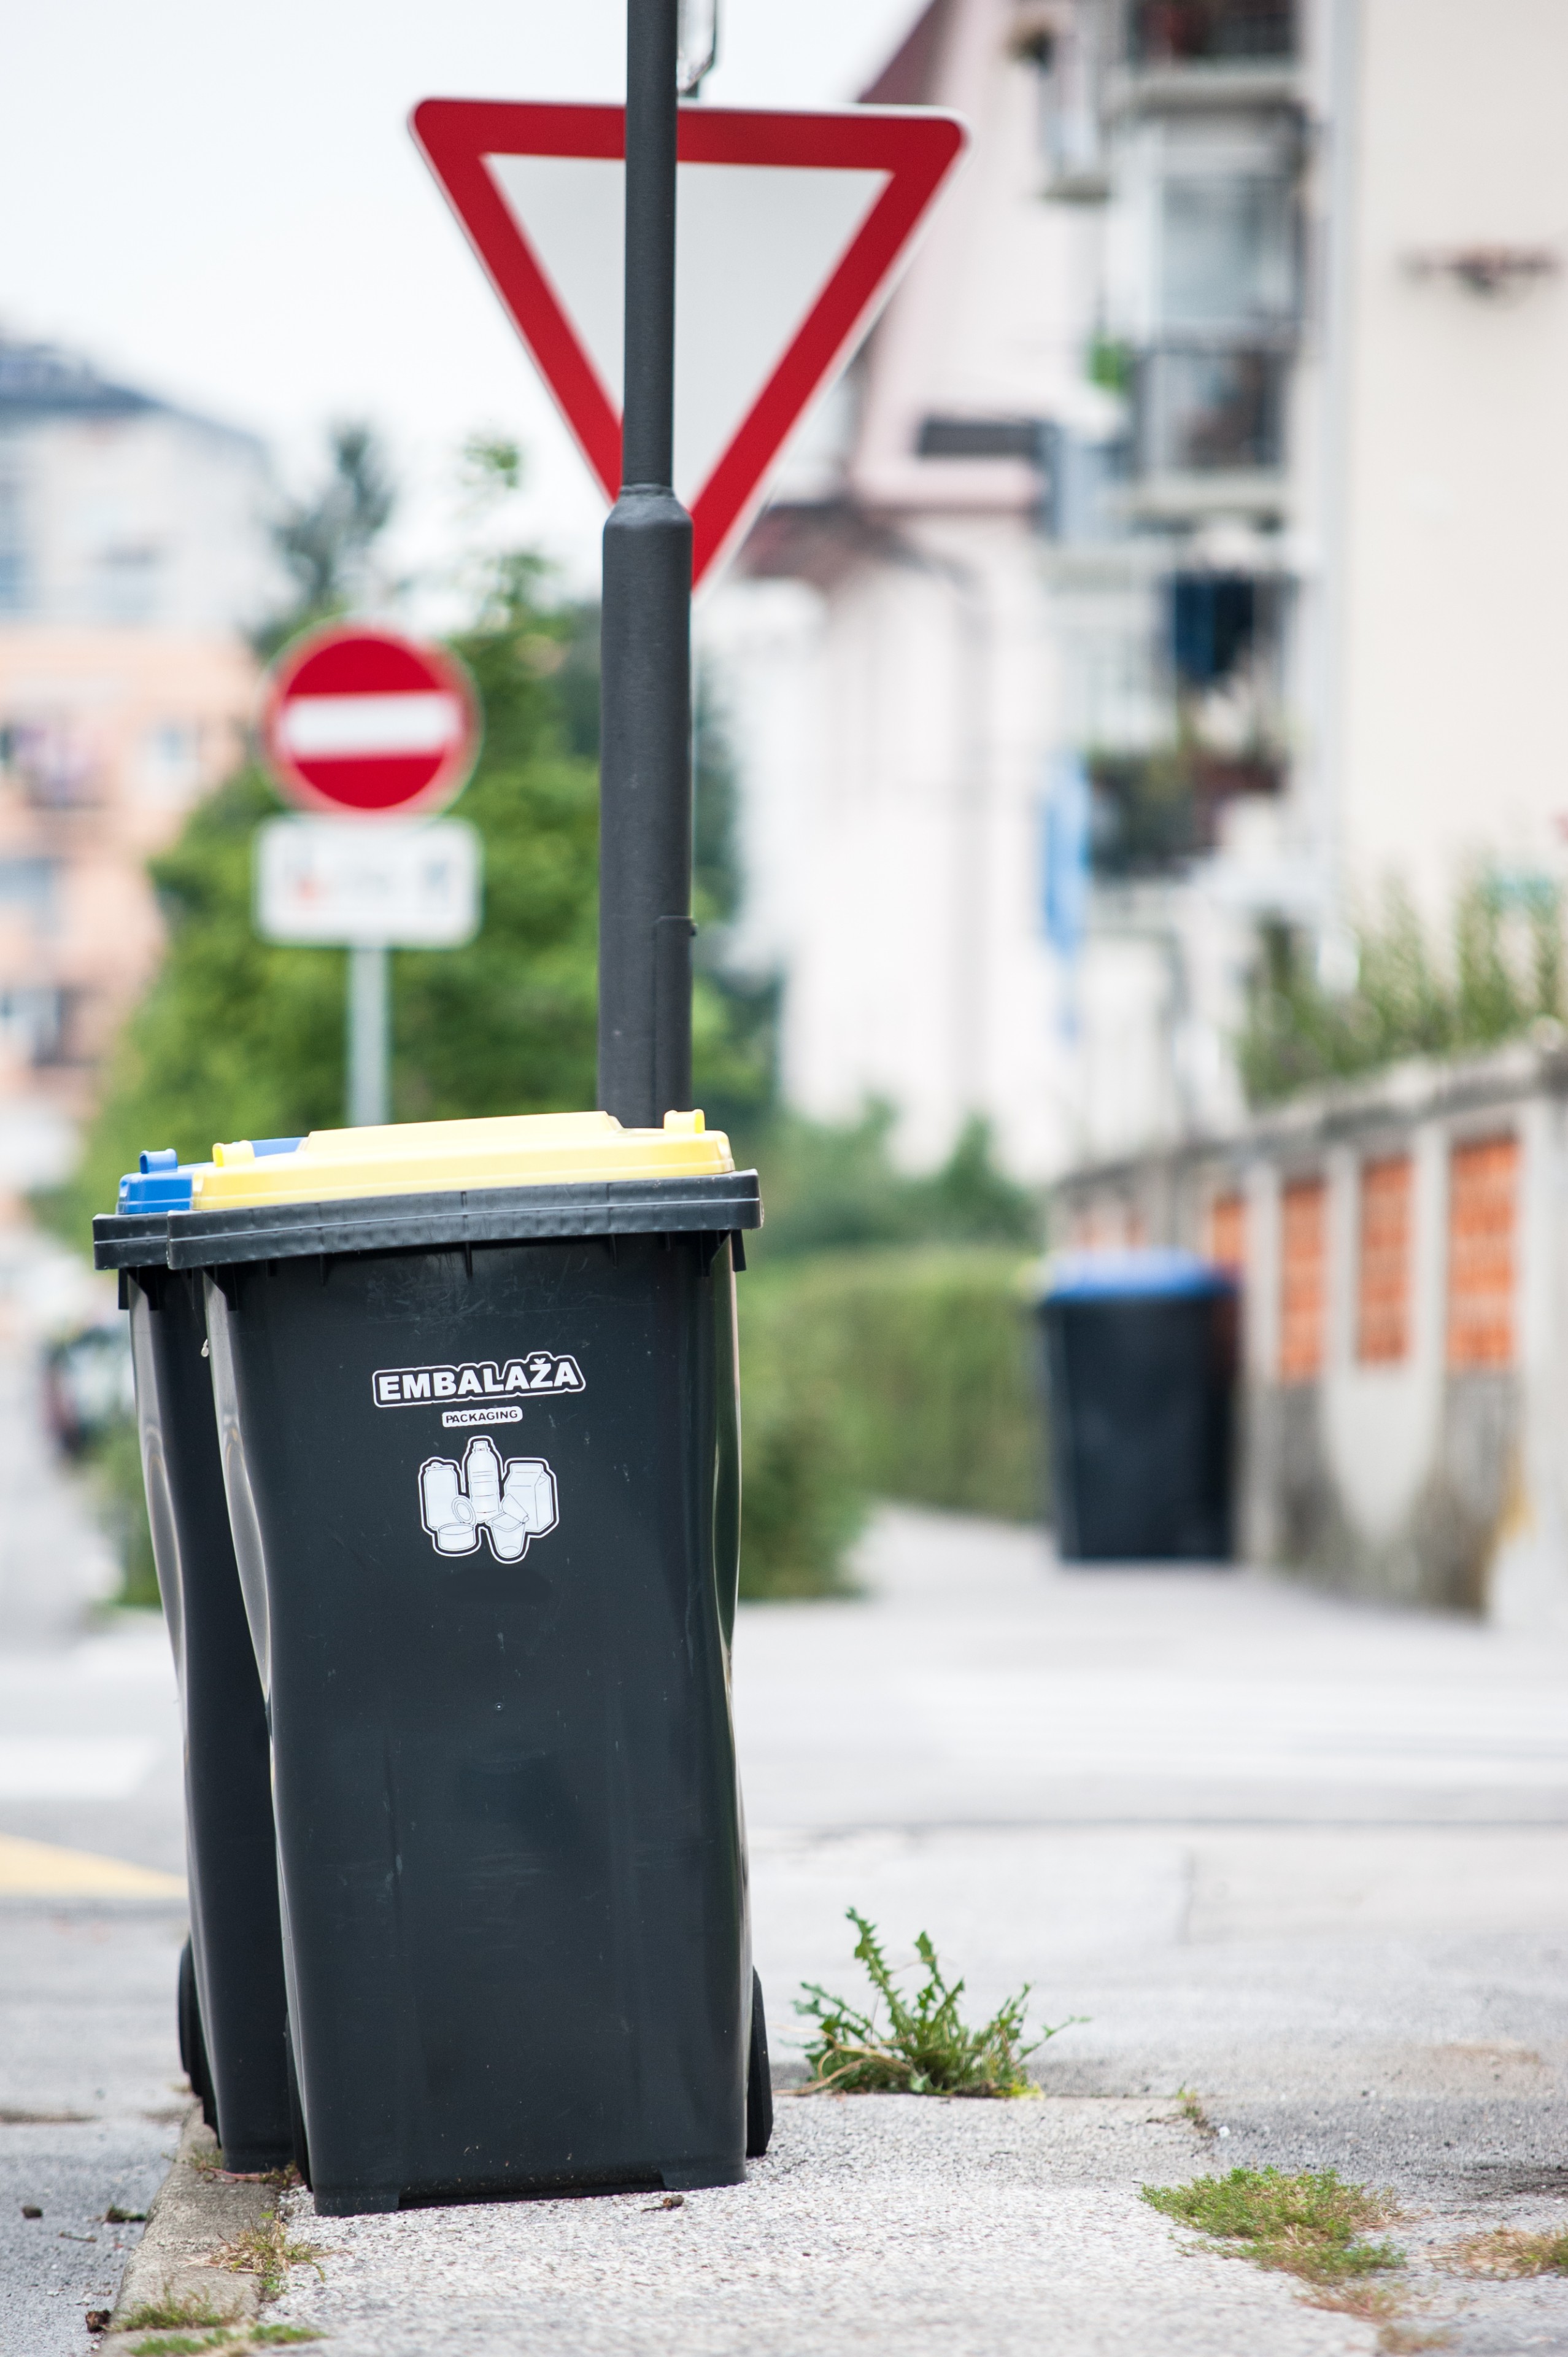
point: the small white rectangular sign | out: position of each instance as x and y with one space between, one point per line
352 883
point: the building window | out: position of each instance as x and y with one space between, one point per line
1225 1240
981 438
170 765
27 886
1483 1217
14 582
127 583
1303 1256
54 765
33 1023
1202 411
1382 1282
1208 32
1227 254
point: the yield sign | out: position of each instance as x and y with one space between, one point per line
789 231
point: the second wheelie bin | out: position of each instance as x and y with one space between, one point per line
1140 1381
477 1396
231 1995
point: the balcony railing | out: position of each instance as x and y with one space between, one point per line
1153 814
1210 32
1210 409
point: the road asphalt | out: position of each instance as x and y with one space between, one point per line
1302 1859
92 1860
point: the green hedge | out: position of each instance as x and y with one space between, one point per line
897 1374
890 1374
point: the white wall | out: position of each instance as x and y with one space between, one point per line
1456 725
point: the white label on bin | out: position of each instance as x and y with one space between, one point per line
482 1379
461 1419
507 1501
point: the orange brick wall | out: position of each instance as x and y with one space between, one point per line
1302 1278
1225 1241
1483 1217
1383 1273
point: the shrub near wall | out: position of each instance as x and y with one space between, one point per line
908 1375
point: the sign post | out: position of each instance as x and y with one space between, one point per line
362 723
368 1048
645 714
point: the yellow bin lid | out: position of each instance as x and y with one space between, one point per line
428 1157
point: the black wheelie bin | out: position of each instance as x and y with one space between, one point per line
477 1398
230 1997
1140 1383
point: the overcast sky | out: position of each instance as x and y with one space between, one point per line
223 204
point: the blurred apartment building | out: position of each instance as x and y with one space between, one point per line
1180 553
132 555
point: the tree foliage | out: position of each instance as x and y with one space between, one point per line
237 1038
325 540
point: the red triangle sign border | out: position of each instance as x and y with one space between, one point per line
916 147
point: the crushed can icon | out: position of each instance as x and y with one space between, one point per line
508 1502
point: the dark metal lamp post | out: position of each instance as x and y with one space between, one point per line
644 781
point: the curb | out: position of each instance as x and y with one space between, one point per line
193 2212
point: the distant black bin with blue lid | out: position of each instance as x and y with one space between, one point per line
1140 1377
230 2001
477 1395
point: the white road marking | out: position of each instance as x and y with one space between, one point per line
1120 1722
71 1768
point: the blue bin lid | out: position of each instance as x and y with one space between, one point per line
162 1181
1128 1275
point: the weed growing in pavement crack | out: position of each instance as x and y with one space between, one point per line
170 2314
210 2164
267 2252
925 2049
1311 2226
1191 2108
179 2344
1509 2252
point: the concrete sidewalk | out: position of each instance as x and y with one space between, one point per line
1306 1859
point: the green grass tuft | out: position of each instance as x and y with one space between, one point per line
926 2049
1311 2225
177 2344
169 2315
274 2335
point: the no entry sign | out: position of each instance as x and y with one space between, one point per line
360 720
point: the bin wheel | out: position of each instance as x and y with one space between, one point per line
296 2111
192 2041
758 2081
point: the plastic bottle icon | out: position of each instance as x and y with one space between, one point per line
482 1472
510 1502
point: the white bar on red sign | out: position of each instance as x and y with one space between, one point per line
351 727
